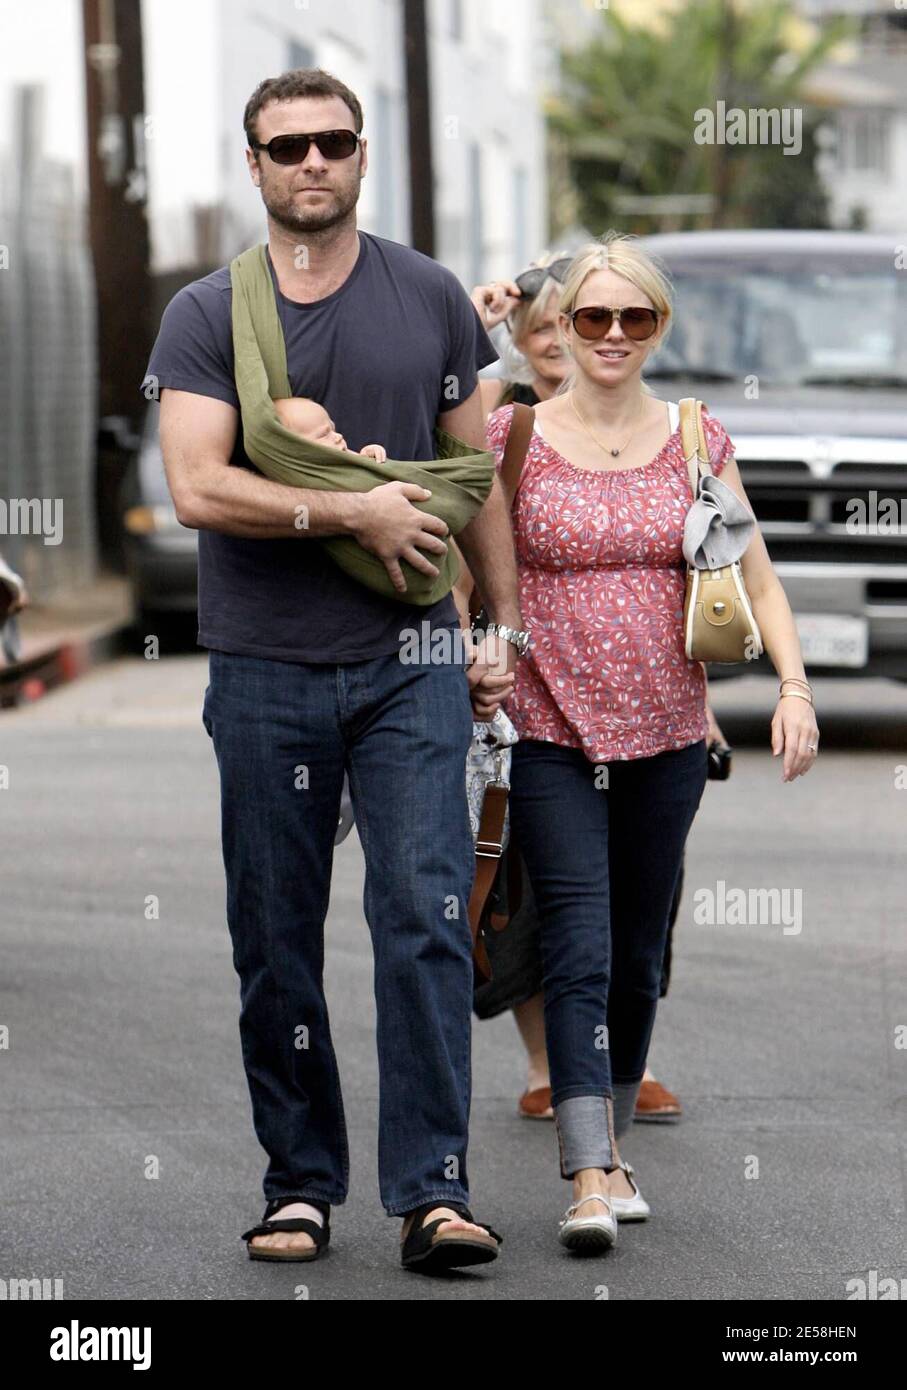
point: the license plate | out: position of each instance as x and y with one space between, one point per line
833 639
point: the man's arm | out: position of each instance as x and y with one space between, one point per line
487 541
198 435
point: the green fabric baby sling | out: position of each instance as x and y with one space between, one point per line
459 479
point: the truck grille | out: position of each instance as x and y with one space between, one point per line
804 510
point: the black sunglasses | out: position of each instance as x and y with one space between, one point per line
292 149
530 281
595 321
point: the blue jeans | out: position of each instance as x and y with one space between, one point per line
283 733
603 861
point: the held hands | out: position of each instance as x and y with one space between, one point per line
490 673
795 733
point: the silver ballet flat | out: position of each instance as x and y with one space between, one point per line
589 1233
634 1208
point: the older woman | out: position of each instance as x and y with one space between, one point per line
611 763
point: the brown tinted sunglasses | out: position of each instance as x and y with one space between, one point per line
594 321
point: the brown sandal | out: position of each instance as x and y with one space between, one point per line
656 1104
536 1105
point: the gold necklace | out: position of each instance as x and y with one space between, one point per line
615 453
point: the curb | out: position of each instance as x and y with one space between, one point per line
30 679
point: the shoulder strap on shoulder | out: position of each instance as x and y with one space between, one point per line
521 426
693 440
522 423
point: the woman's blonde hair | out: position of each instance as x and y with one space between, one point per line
621 253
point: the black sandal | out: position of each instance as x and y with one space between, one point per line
320 1234
428 1251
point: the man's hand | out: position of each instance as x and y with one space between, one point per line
491 675
386 523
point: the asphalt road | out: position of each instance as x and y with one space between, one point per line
123 1044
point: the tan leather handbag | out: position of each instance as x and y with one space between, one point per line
718 619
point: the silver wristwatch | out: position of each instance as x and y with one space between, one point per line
520 640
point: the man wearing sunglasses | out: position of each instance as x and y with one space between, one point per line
306 680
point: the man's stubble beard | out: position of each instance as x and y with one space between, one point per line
292 218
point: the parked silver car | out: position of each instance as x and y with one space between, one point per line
161 555
797 341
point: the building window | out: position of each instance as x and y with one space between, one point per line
520 217
864 137
476 218
299 55
386 181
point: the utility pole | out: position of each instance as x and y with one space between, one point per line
118 225
724 90
418 107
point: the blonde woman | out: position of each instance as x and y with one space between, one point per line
536 366
611 763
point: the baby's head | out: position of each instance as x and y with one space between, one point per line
308 418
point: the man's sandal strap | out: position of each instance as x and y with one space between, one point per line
421 1234
291 1223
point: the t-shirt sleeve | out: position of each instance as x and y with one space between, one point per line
497 428
469 347
194 347
721 446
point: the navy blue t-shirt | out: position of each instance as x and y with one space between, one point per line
379 354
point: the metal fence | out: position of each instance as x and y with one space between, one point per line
48 369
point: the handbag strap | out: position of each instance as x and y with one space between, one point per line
522 423
488 857
693 441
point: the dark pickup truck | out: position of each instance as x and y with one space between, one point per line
797 342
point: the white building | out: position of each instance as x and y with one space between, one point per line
204 60
863 89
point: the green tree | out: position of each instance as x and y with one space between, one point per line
626 116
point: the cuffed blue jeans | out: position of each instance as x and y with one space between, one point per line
603 861
283 734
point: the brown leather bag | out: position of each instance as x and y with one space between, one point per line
489 846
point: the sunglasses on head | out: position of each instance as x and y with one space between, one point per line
531 281
595 321
292 149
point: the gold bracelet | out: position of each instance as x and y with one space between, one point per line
795 680
796 695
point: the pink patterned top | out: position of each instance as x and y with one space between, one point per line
602 580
